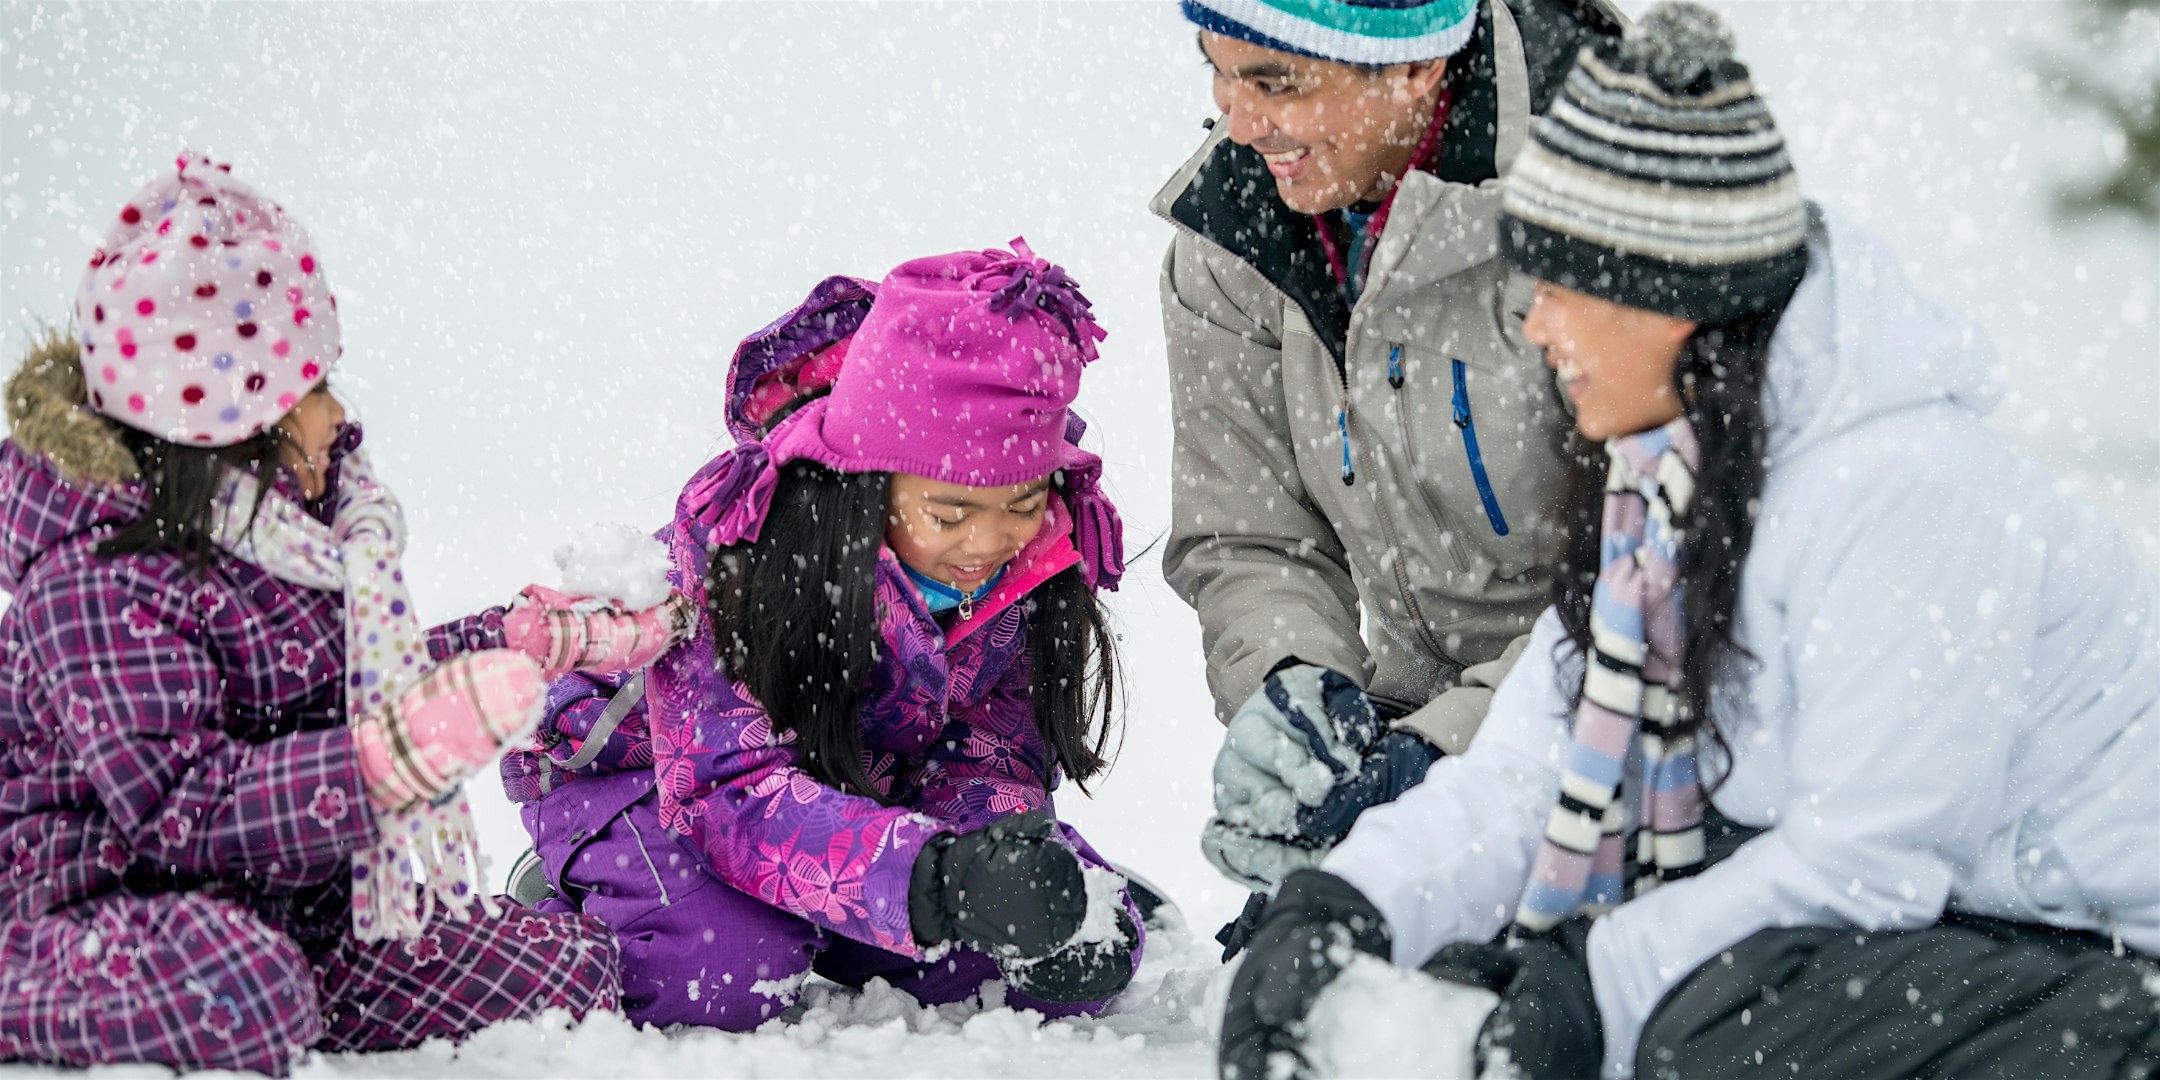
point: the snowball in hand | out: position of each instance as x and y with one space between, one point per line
616 562
1377 1019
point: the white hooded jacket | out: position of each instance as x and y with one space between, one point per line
1951 701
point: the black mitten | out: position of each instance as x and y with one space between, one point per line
1011 889
1547 1020
1081 971
1292 956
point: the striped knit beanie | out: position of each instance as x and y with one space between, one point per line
1658 180
1368 32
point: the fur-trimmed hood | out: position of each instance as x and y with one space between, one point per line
63 469
48 413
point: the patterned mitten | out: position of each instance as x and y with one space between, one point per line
1259 861
573 633
449 725
1301 735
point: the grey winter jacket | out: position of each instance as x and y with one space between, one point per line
1393 568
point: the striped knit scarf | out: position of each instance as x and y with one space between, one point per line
1630 698
428 854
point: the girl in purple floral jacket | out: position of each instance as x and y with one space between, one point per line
230 827
848 768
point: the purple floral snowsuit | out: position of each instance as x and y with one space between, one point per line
727 871
180 798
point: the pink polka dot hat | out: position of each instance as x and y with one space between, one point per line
205 315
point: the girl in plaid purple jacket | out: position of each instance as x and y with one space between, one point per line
223 739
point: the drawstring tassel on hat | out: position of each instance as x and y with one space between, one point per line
1098 532
1036 284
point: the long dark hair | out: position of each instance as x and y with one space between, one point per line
183 483
1075 676
1720 380
794 616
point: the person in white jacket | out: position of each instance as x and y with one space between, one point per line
1839 751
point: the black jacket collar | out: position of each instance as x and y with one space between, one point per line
1231 201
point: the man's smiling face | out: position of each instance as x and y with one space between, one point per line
1332 134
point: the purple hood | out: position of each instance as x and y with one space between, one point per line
45 509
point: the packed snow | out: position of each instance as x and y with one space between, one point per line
1105 900
1153 1030
1357 1024
615 562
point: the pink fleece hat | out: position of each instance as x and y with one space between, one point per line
204 315
963 370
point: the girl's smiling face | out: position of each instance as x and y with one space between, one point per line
309 431
958 535
1615 362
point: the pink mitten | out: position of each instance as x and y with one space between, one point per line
452 722
569 633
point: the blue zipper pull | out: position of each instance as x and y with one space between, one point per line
1394 367
1342 425
1477 458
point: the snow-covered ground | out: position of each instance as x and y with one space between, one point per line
548 226
1154 1030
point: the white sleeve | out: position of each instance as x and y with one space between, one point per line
1447 861
1906 625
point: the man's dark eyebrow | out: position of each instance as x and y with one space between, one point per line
1265 69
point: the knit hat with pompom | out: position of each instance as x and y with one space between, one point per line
1658 179
204 316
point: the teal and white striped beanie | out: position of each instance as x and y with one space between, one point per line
1658 180
1369 32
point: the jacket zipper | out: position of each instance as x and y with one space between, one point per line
1342 375
1342 363
1453 537
1397 553
1342 426
1468 427
1387 520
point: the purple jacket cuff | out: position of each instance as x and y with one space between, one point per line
473 633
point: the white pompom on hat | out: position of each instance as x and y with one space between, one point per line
205 316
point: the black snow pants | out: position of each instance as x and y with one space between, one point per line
1968 997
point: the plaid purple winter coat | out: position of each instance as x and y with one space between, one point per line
179 798
161 729
947 726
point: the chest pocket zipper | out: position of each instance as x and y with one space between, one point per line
1450 538
1468 426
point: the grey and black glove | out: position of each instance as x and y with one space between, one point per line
1298 948
1302 758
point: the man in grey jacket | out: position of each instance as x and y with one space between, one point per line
1367 449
